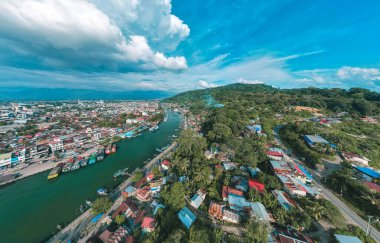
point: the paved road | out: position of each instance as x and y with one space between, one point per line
347 212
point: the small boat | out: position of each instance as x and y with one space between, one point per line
100 155
92 159
108 150
83 162
54 173
120 173
174 136
113 150
153 129
76 165
101 192
89 203
67 167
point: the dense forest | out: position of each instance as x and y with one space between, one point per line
359 101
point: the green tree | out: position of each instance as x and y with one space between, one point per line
101 205
257 232
174 196
119 219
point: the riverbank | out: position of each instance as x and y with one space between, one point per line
75 228
32 169
57 202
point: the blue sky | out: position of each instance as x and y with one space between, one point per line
180 45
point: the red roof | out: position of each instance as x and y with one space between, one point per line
260 187
166 162
229 190
275 153
120 210
150 176
148 222
372 186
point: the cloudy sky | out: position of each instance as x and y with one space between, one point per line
180 45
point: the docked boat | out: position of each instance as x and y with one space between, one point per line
113 150
92 159
108 150
101 192
153 129
55 172
120 173
100 154
76 165
67 167
83 162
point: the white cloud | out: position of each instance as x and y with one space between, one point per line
244 81
351 73
77 33
204 84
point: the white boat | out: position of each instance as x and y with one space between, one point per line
101 192
153 129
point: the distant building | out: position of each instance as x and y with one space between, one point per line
313 140
186 217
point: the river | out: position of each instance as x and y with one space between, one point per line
31 209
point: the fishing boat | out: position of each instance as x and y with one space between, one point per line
92 159
83 161
153 129
101 192
108 150
76 165
120 173
100 154
113 150
67 167
55 172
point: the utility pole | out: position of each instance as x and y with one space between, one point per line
368 224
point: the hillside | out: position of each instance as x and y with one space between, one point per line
356 100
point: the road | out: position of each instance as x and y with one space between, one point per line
347 212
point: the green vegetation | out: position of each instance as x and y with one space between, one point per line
364 201
101 205
353 231
119 219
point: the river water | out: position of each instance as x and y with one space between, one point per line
31 209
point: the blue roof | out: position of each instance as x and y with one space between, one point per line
238 201
186 217
307 174
197 200
370 172
347 239
96 218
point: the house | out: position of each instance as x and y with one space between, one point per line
143 194
148 224
120 210
259 211
231 216
216 210
284 199
290 236
56 145
118 235
238 203
129 191
155 186
368 173
229 190
149 176
260 187
139 217
275 155
347 239
165 164
186 217
314 140
105 236
131 209
198 198
5 160
355 158
229 165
